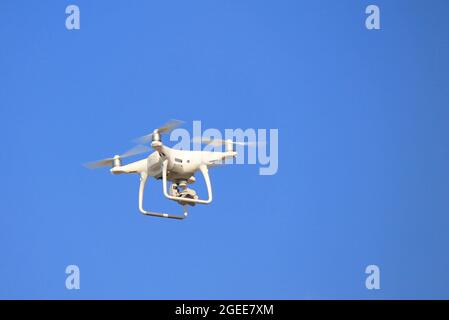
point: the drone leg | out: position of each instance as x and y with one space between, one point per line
143 181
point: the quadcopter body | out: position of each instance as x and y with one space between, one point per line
170 165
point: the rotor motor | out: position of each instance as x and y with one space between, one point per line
156 139
229 145
116 162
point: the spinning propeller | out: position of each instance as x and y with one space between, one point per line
219 142
109 161
166 128
169 126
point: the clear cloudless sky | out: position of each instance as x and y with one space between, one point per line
363 148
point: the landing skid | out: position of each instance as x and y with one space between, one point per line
184 201
143 180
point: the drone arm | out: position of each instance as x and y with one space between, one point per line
143 180
205 173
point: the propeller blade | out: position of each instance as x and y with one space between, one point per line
144 139
108 161
99 163
135 150
169 126
218 142
214 142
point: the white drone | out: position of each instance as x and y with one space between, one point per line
177 166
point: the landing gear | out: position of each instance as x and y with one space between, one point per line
186 196
178 192
143 181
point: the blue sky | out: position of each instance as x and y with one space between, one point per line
363 148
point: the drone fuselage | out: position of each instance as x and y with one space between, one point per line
181 164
